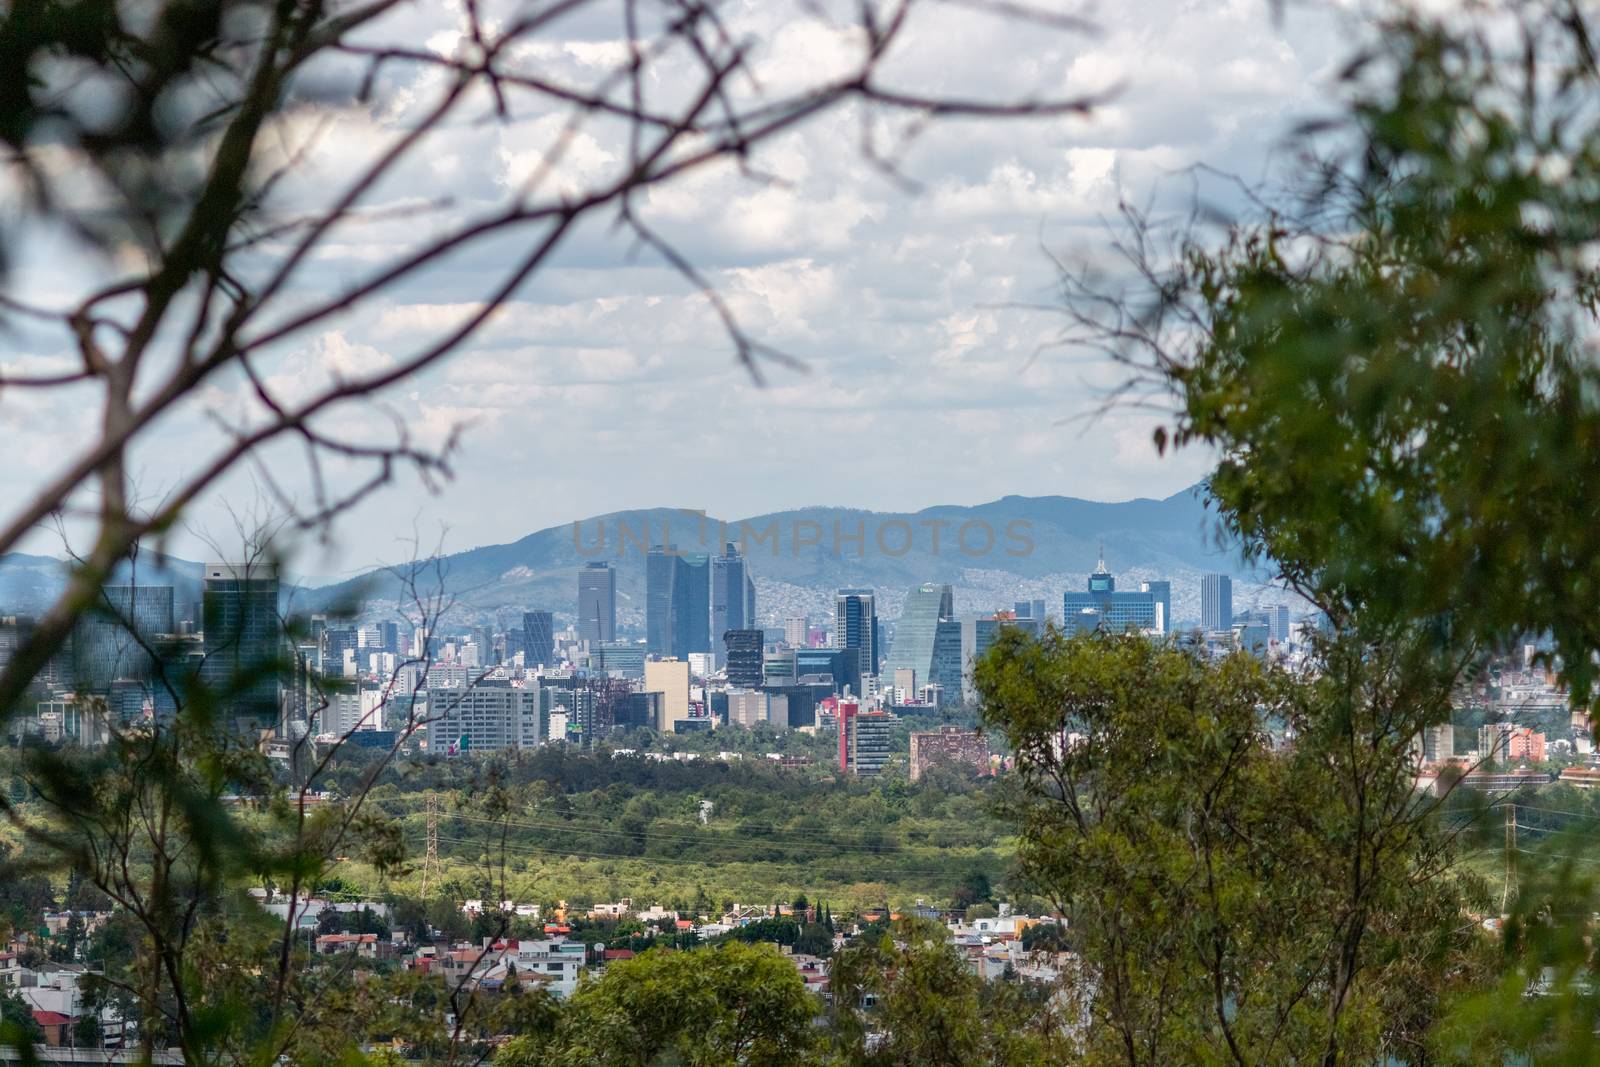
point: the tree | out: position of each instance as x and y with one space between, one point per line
86 1031
1394 363
928 1007
17 1026
1231 901
734 1003
974 888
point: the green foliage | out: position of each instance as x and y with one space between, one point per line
909 998
731 1004
1395 368
594 827
16 1019
1207 872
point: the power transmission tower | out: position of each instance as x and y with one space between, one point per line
430 863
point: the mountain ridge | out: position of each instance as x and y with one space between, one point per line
822 548
1013 547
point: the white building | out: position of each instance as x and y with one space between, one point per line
557 962
483 718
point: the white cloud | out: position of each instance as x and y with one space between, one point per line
608 382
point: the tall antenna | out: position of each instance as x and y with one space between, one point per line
430 863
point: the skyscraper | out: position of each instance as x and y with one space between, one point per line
750 617
914 634
538 639
947 658
855 625
1102 606
242 641
794 633
742 651
660 568
1162 591
597 603
691 604
869 741
1216 602
1031 609
482 718
117 637
727 596
389 637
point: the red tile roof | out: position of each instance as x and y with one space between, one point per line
51 1018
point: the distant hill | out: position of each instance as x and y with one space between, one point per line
993 554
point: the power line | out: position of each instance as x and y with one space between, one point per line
1558 811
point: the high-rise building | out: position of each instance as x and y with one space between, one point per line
691 604
538 639
482 718
791 707
844 711
779 667
618 660
947 658
1102 607
1031 609
1162 591
597 603
742 652
1280 624
727 596
670 678
1439 743
869 737
118 637
967 641
389 637
660 568
794 633
855 625
638 709
746 707
841 665
336 641
243 642
1216 602
914 635
751 619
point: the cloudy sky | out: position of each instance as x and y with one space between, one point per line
607 383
